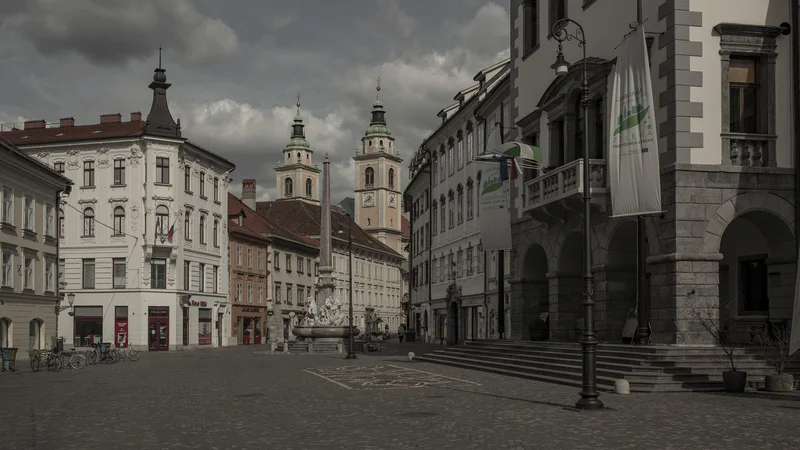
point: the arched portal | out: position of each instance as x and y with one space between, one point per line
615 287
756 274
36 334
452 324
528 321
566 290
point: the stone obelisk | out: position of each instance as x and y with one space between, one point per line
325 288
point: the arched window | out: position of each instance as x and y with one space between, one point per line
442 164
309 188
202 229
88 222
391 178
460 204
470 144
451 156
162 220
599 130
61 223
187 226
119 221
460 149
216 233
369 178
451 209
434 210
35 337
287 188
470 199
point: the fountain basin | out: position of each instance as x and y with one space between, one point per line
323 332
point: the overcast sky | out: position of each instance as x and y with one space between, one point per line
236 67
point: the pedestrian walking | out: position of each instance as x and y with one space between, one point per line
401 332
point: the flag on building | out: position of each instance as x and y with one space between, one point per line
171 231
633 166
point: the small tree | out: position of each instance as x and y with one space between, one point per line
708 316
773 346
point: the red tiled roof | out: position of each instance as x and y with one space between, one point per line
304 218
261 225
74 133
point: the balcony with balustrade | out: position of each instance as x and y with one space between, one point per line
555 195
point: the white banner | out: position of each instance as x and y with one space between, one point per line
495 218
794 339
633 167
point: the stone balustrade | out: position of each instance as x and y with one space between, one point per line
754 150
565 182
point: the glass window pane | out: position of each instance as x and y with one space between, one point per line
749 110
735 101
743 71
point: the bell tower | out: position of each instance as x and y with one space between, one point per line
297 177
378 199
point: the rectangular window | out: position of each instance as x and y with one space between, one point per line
460 152
238 255
202 184
744 95
470 145
62 267
289 294
277 260
215 274
260 297
119 172
260 259
158 274
442 165
470 261
249 293
300 292
88 173
187 275
308 264
88 325
451 266
204 329
481 257
48 276
6 213
299 265
249 257
28 274
239 292
530 25
216 189
119 273
460 263
27 219
49 218
481 137
59 167
88 273
288 263
162 170
753 287
187 179
557 11
451 158
6 277
202 278
277 292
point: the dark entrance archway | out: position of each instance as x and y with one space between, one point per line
452 324
615 287
530 311
567 290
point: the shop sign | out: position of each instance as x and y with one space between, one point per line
201 303
250 310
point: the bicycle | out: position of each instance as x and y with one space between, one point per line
127 354
74 360
100 354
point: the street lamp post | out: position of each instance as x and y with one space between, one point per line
350 337
589 395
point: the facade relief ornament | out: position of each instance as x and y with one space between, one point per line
72 158
135 156
43 155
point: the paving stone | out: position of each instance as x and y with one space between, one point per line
245 398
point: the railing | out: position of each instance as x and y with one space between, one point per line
564 182
754 150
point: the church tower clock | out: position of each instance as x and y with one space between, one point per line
297 177
378 197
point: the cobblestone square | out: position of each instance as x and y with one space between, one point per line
243 398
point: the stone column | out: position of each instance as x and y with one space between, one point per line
678 282
326 285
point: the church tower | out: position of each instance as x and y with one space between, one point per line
297 177
378 200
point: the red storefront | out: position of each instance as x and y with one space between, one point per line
249 323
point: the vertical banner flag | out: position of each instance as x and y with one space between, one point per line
794 337
495 218
633 166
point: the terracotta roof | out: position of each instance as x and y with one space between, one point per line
74 133
258 225
304 218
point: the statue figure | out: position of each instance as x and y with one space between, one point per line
311 313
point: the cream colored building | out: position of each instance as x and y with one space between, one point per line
30 194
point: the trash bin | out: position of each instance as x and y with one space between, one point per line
9 359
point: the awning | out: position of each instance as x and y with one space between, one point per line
520 150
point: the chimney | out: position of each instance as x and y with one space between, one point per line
249 193
111 118
136 116
34 124
66 122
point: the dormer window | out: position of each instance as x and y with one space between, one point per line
241 219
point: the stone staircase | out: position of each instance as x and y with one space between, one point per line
304 347
650 368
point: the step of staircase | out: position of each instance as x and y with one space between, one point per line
646 368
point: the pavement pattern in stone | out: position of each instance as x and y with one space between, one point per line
384 376
242 398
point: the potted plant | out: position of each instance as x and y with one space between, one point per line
733 379
774 348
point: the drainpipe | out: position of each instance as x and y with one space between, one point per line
796 114
57 283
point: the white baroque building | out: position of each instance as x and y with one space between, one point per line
144 233
454 283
